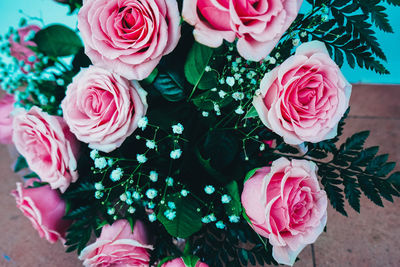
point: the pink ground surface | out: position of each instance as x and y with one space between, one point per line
371 238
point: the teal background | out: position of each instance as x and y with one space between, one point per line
51 12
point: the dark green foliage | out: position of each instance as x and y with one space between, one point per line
20 164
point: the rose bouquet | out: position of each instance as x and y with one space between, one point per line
191 133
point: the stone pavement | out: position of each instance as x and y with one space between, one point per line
369 239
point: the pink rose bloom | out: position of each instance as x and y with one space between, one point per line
286 205
304 99
118 246
48 146
178 262
102 108
20 50
6 107
258 25
129 37
44 208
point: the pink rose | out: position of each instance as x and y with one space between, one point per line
20 50
48 146
129 37
258 25
286 205
303 99
102 108
118 246
178 262
44 208
6 107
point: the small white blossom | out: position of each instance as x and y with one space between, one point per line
151 144
303 34
152 217
131 210
230 81
151 193
153 176
205 114
212 217
98 194
237 76
234 218
94 154
272 60
98 186
141 158
220 225
214 89
142 123
205 219
116 174
239 110
100 163
221 94
238 96
170 214
123 197
136 195
169 181
184 192
296 42
111 211
110 162
129 201
262 147
171 205
207 68
278 55
209 189
226 199
175 154
177 129
151 205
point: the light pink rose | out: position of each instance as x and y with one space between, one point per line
6 107
258 24
48 146
20 50
118 246
304 99
286 205
178 262
102 108
129 37
44 208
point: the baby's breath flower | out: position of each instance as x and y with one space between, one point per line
205 114
151 193
142 123
170 214
169 181
151 144
171 205
239 110
220 225
209 189
230 81
131 210
177 129
152 217
141 158
226 199
94 154
153 176
111 211
175 154
116 174
136 195
100 163
98 194
123 197
221 94
238 96
184 192
99 186
234 218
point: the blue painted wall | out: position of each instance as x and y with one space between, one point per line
51 12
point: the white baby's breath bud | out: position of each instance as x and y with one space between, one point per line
177 129
141 158
142 123
230 81
151 144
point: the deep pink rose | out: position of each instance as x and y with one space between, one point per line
44 208
178 262
48 146
102 108
118 246
304 99
129 37
258 24
286 205
6 107
20 50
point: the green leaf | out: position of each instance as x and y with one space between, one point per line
250 174
31 175
170 85
234 207
187 220
150 79
57 41
394 178
81 60
164 260
198 58
252 113
20 164
190 260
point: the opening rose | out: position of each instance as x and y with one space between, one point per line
179 262
285 204
129 37
44 207
102 108
118 246
258 24
304 99
48 146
